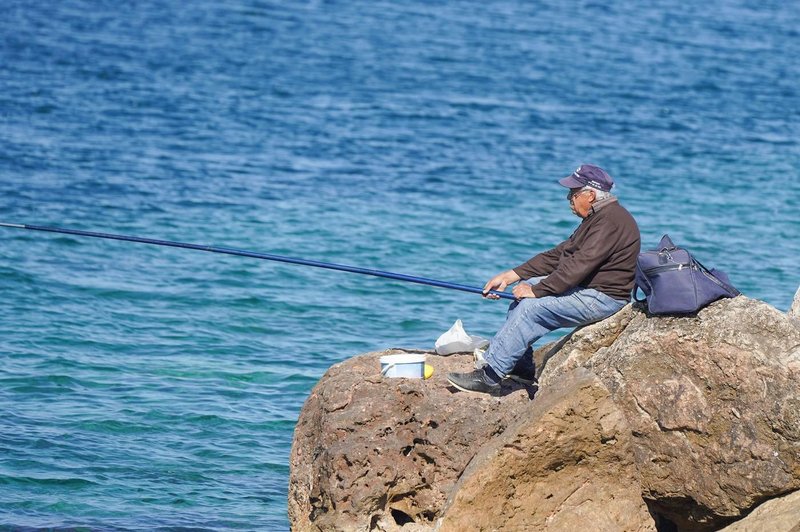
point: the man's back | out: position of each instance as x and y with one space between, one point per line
600 254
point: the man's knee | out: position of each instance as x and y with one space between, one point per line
526 308
529 303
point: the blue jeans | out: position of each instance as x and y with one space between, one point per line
531 318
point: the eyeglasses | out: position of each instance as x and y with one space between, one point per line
572 193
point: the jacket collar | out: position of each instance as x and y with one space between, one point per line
597 205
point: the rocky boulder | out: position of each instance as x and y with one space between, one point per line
377 453
641 423
711 402
567 464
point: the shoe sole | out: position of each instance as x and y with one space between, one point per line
490 392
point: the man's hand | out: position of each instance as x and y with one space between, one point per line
499 282
523 290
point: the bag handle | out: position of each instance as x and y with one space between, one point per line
666 243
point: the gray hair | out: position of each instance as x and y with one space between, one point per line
598 194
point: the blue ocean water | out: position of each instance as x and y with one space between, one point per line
154 388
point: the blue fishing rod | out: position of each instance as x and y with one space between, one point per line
263 256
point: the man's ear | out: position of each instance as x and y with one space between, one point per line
594 196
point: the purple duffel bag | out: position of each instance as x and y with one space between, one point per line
674 282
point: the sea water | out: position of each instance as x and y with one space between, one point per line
146 388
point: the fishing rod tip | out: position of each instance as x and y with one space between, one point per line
6 224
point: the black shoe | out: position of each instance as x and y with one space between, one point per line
527 376
524 372
474 381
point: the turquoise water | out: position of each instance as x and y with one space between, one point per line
147 388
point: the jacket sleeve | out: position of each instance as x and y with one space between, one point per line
542 264
574 267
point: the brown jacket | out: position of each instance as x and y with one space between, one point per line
600 254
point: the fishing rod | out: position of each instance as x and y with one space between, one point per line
264 256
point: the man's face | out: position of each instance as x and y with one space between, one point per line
580 200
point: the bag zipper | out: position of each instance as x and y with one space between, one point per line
709 275
668 267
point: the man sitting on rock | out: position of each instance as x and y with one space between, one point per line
584 279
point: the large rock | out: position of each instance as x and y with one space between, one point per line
567 464
377 453
712 401
641 423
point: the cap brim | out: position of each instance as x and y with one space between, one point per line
571 182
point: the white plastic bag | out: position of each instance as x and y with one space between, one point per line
456 340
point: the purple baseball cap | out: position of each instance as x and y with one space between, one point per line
588 175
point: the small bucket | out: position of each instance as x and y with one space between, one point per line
408 366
